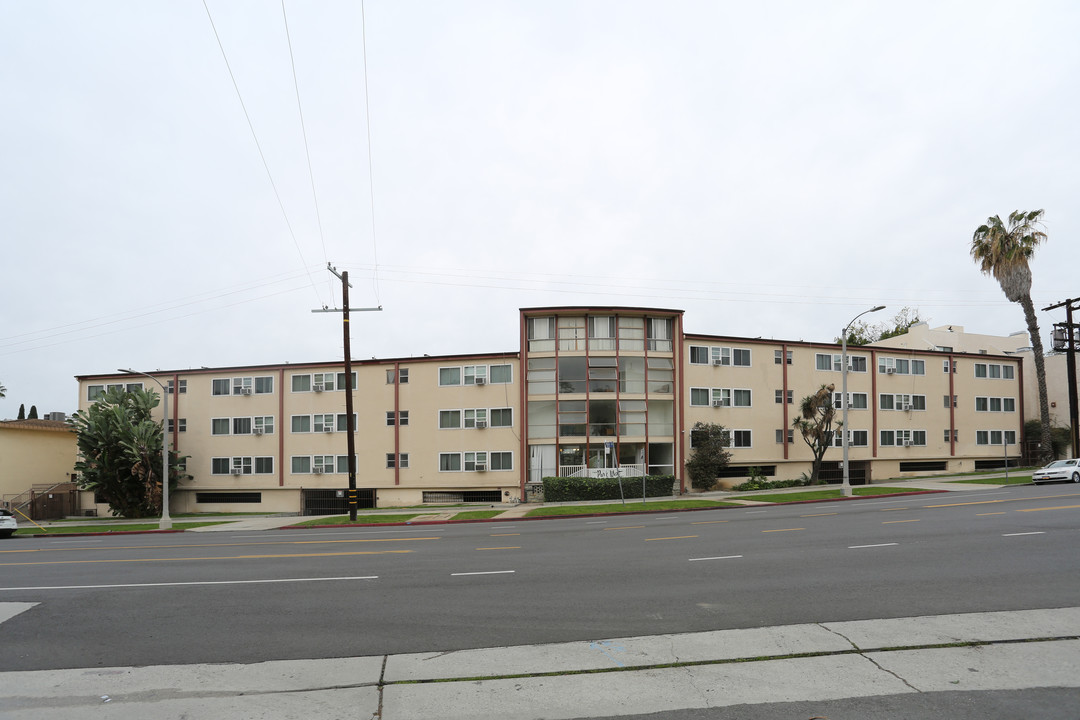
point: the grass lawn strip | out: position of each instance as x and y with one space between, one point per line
1021 479
630 506
827 494
477 514
360 520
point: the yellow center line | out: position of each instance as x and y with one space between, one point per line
209 545
680 537
223 557
707 522
893 522
985 514
517 547
992 502
784 530
819 515
628 527
1059 507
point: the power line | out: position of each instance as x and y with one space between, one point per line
266 165
307 150
371 171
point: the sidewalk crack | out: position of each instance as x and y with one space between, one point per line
861 654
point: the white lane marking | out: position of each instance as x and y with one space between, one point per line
489 572
596 522
343 532
501 527
1040 532
200 582
855 547
722 557
73 542
666 517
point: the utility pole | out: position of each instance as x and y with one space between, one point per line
350 423
1065 339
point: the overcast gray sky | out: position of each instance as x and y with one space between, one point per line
772 168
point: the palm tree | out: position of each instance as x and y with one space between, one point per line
1003 251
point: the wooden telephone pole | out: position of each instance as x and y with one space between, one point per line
1065 339
349 420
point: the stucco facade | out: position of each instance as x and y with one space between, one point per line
34 453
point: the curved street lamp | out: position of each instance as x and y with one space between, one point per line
846 487
166 521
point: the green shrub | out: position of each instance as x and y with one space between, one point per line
564 489
757 481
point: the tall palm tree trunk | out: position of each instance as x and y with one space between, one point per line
1046 450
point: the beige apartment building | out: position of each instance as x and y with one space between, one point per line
590 391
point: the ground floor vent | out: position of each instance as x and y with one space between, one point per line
924 466
738 471
334 502
228 497
463 496
996 464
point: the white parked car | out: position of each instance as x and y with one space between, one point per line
1057 471
8 526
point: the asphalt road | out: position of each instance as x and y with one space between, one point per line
248 597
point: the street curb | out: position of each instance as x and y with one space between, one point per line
619 514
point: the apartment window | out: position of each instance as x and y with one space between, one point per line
241 386
740 357
823 361
541 333
94 392
778 357
918 367
264 385
502 417
790 436
954 401
402 460
888 438
661 375
322 464
264 465
631 334
475 374
183 387
995 437
403 376
300 464
856 438
741 439
995 404
241 464
541 376
342 422
475 416
1008 404
659 334
301 423
183 425
220 426
449 376
449 419
301 383
502 460
699 397
390 418
721 356
241 426
980 372
995 371
220 386
449 462
501 374
602 333
1007 372
391 460
721 397
856 401
323 422
571 333
740 398
390 376
571 418
402 418
699 355
263 424
475 461
220 465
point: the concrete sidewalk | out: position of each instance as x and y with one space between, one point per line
820 662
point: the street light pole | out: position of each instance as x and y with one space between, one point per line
846 487
166 521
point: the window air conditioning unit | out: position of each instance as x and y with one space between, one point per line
718 403
907 407
328 428
717 361
317 470
318 387
257 431
245 391
481 424
480 380
908 443
481 467
890 371
236 471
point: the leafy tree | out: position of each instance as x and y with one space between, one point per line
710 454
817 413
120 452
22 412
863 333
33 413
3 391
1003 251
1060 436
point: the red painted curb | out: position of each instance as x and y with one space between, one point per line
627 512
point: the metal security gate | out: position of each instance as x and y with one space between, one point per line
334 502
